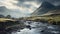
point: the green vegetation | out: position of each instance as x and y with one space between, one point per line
50 19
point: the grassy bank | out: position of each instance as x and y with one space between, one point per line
10 24
49 19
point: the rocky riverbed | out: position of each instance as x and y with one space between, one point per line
39 28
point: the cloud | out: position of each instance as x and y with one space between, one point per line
38 1
22 7
29 5
34 4
14 13
8 8
8 4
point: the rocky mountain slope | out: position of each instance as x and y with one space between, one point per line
46 8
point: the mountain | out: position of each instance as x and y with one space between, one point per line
56 10
3 8
2 16
47 5
46 8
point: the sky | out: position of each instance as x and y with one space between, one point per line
22 8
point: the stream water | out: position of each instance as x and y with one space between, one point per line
39 28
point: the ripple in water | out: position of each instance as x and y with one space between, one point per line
40 28
27 31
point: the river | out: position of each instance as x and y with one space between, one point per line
39 28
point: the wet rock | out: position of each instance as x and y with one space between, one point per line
29 22
18 30
21 28
28 26
42 30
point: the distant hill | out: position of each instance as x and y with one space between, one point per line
2 16
46 8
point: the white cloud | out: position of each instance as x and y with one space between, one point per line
23 9
8 4
33 7
32 3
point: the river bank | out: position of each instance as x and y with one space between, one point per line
33 27
55 20
10 25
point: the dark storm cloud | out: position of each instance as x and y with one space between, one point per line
36 1
21 3
55 2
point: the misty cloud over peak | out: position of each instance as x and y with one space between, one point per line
47 8
22 7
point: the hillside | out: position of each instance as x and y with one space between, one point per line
46 8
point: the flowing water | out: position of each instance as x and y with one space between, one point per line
39 28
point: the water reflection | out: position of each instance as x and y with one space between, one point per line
27 31
39 28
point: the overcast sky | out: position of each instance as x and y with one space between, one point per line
20 8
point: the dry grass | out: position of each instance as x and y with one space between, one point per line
5 19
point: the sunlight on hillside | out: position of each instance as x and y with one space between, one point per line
5 19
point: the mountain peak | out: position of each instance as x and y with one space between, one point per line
46 8
46 4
